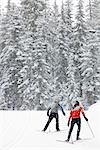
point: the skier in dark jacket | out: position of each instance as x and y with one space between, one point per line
75 116
52 112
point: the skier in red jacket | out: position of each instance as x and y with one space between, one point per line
75 118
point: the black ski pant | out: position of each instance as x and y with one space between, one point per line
73 122
52 115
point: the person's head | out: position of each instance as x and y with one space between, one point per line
56 102
76 104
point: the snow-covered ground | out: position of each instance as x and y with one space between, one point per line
21 130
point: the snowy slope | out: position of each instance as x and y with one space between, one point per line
21 130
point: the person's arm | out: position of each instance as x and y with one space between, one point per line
84 114
62 109
48 111
69 118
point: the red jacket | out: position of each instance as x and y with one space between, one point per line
75 113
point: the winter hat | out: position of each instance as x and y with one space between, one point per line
77 103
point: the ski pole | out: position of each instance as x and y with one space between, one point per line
49 127
90 129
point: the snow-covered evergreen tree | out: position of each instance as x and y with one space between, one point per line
63 54
54 53
94 45
79 46
89 59
10 62
36 46
66 53
96 21
89 71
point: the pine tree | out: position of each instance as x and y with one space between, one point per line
3 69
54 88
79 46
89 71
94 40
89 59
63 54
10 63
36 49
66 54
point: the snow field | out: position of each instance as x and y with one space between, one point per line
21 130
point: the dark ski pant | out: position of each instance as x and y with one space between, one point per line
73 122
52 115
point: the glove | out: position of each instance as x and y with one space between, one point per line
64 113
86 118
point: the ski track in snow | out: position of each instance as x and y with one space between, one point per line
21 130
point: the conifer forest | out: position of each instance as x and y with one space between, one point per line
49 53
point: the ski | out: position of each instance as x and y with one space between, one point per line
56 131
64 141
72 142
51 131
83 139
42 131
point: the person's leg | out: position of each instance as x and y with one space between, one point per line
70 130
57 122
79 128
48 122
